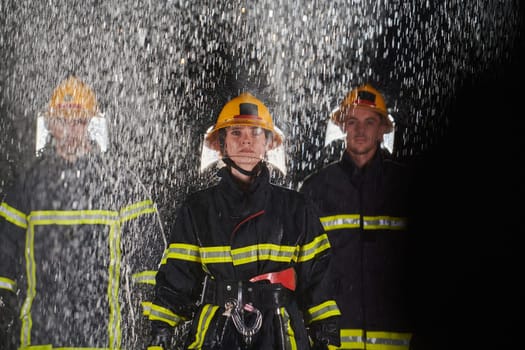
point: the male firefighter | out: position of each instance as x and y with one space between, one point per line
80 238
246 259
362 199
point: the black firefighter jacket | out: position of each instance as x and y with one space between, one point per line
230 235
365 212
79 250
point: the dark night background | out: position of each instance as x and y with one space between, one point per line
452 71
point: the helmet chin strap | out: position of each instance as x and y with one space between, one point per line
230 163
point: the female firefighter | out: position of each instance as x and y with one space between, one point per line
247 259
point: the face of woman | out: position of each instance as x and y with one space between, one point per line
245 145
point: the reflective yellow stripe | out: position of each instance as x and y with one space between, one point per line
349 221
73 217
216 255
76 217
207 313
181 251
384 223
159 313
320 312
388 340
289 334
259 252
336 222
312 249
25 312
355 339
146 277
114 331
352 339
13 215
137 209
7 284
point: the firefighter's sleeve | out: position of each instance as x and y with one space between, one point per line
315 285
179 280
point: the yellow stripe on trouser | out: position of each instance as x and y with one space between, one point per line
207 313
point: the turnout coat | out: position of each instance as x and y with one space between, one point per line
80 245
227 236
365 213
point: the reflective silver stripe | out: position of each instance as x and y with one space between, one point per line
158 313
287 331
73 217
13 215
137 209
389 341
327 309
336 222
258 252
348 221
7 284
310 250
181 251
25 314
204 321
114 330
147 277
384 223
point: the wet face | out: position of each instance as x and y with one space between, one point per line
364 131
245 145
70 136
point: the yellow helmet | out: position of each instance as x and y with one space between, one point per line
73 99
365 97
244 109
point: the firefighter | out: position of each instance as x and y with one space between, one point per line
80 238
363 206
247 260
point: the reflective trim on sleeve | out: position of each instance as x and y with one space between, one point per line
159 313
7 284
384 223
137 209
312 249
352 339
320 312
181 251
13 215
146 277
336 222
206 315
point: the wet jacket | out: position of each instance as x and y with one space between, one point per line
365 212
227 236
80 245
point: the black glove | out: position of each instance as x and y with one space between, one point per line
325 332
161 334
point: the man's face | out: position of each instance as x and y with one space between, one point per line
364 130
245 145
70 136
